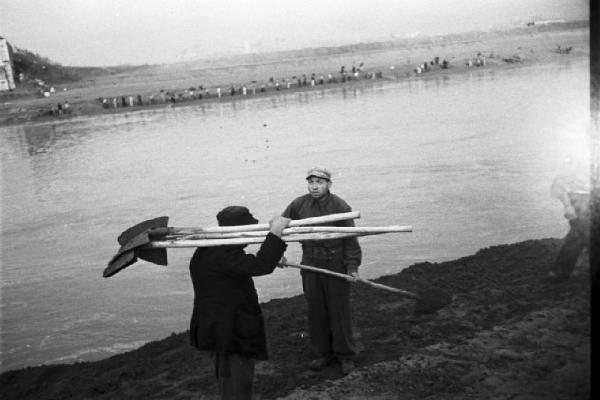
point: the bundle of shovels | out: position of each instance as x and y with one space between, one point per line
150 239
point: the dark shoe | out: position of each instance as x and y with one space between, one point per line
320 363
347 366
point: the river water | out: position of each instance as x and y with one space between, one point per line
467 160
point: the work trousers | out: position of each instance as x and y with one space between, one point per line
235 374
329 318
577 238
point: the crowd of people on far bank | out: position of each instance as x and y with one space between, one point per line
432 64
252 88
201 92
60 109
304 81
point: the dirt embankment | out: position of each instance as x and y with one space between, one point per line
508 334
394 60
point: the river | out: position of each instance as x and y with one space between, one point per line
467 160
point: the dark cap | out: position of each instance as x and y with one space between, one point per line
235 215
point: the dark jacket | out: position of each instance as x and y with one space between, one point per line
339 255
227 318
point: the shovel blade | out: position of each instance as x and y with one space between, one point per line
132 241
119 262
155 256
142 227
431 299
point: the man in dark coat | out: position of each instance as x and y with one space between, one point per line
227 319
327 297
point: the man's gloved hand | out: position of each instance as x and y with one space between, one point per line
352 271
278 224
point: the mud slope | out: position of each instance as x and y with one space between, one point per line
508 334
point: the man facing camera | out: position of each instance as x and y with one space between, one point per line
327 297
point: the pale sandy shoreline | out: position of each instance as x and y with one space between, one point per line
392 61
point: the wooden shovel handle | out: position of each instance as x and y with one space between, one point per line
352 279
247 238
265 227
321 271
388 288
296 230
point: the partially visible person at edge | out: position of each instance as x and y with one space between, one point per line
327 297
227 319
572 188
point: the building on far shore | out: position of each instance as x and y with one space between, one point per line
535 21
7 80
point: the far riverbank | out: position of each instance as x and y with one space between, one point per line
251 76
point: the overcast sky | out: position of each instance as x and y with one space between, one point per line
111 32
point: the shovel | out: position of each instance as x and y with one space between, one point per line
429 299
137 241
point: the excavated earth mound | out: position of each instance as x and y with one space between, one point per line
508 334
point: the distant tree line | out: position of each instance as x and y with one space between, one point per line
35 67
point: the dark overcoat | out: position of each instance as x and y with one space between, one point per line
227 318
